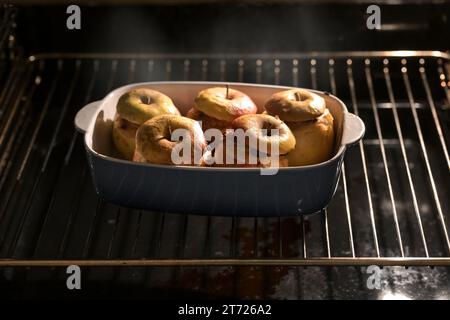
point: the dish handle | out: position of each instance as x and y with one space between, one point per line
354 129
84 116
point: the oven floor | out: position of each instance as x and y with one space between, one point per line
228 283
49 209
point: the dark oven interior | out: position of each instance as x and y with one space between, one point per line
392 204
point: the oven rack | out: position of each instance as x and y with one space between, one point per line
391 207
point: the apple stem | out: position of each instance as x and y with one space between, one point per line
297 96
228 88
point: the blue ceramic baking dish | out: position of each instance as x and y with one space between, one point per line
211 190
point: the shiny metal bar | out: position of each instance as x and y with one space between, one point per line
158 241
207 245
10 23
443 80
182 243
304 247
204 69
234 237
327 236
254 251
136 233
8 153
276 71
313 72
259 64
383 152
351 83
15 104
332 77
131 76
87 244
280 238
37 81
7 157
131 71
390 90
295 72
56 132
223 70
10 80
73 209
446 66
150 66
113 234
63 112
423 148
160 233
269 55
3 179
241 65
92 227
334 262
87 99
426 85
186 68
40 120
181 246
168 70
114 64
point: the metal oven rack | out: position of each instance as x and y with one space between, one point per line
391 207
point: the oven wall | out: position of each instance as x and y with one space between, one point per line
233 28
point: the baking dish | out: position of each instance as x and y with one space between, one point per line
211 190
